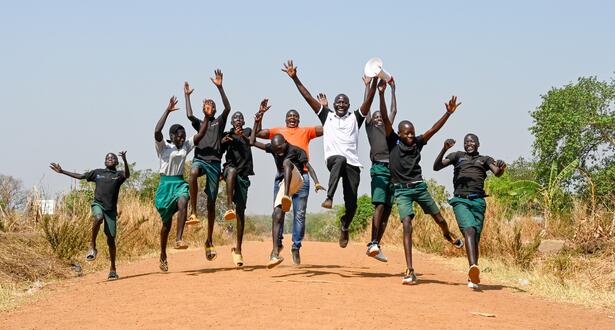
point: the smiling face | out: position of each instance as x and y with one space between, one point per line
341 105
209 108
111 160
292 119
406 133
377 118
178 138
237 120
470 143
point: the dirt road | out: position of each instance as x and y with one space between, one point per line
334 288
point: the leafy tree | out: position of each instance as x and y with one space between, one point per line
577 122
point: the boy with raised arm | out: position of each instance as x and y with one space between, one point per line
291 163
207 158
470 172
341 142
104 206
236 170
406 174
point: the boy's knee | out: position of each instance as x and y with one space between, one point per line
110 241
98 219
407 222
194 173
182 203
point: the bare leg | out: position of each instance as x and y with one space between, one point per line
164 236
195 172
182 205
98 220
377 222
276 219
241 219
231 176
469 234
288 173
383 222
407 222
439 219
112 251
211 218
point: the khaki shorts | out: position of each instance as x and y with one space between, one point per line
296 183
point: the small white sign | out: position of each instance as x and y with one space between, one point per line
48 206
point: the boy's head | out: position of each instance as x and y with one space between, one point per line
209 108
111 160
279 146
405 131
341 103
237 120
377 118
471 143
292 118
178 135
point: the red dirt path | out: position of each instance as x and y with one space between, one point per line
334 288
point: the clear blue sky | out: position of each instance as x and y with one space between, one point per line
81 78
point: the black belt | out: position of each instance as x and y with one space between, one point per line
407 184
471 196
375 162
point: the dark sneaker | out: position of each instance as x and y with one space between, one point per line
343 238
409 277
112 276
296 257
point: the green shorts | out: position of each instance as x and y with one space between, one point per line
212 171
470 213
382 188
240 194
170 190
110 218
418 193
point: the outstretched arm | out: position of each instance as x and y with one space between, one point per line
312 173
388 127
217 80
451 106
57 168
126 168
498 168
393 112
257 122
187 92
440 161
366 81
291 70
260 132
160 125
367 103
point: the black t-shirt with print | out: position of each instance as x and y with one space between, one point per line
108 184
470 172
239 153
210 147
377 136
404 160
296 155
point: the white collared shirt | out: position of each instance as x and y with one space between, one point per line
341 134
172 159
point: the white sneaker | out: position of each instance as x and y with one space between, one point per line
373 250
381 257
473 286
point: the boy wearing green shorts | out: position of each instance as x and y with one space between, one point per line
470 172
104 206
405 154
207 158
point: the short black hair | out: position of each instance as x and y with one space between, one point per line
175 128
474 136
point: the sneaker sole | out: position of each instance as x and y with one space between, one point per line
408 282
192 222
230 217
273 264
474 274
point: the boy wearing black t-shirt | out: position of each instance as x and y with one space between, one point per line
104 205
236 170
470 172
291 162
405 154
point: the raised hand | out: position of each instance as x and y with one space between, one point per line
123 155
290 69
501 164
382 86
238 131
172 104
217 80
452 104
322 99
318 187
227 138
187 89
56 167
366 80
392 84
263 106
449 143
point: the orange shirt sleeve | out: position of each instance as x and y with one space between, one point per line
273 131
311 132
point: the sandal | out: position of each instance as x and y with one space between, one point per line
91 255
181 245
230 215
192 220
113 276
286 203
210 252
237 258
164 265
